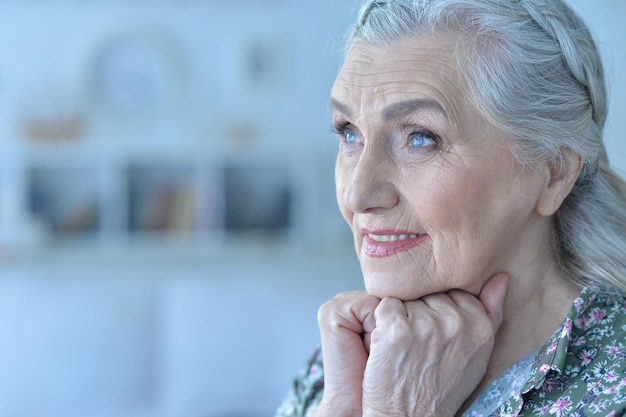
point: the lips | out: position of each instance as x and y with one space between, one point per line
380 244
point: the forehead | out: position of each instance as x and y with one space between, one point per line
374 77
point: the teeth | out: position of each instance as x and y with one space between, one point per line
390 238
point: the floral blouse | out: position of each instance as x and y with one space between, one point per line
580 371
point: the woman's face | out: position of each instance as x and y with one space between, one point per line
432 193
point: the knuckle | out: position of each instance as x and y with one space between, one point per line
389 309
484 330
326 311
454 328
391 320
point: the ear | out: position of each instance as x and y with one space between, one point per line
561 174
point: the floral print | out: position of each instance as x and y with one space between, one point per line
507 384
306 390
580 371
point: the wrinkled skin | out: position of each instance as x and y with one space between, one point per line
452 234
418 358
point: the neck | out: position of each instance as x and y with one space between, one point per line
538 299
530 321
537 302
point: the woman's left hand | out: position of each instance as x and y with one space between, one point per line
428 356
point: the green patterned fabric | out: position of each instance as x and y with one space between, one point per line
580 371
505 386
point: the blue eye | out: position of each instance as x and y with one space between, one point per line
347 135
421 140
351 137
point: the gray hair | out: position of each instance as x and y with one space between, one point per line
533 71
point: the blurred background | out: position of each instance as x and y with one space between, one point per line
168 225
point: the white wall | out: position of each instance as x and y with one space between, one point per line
54 42
606 18
160 340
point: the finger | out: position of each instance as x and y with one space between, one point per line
363 312
441 302
366 314
342 321
466 302
392 322
389 308
492 298
367 341
352 311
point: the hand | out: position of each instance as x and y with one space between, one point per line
427 356
346 323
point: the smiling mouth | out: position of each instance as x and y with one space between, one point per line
390 238
382 245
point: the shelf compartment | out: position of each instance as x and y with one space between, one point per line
162 198
258 199
65 200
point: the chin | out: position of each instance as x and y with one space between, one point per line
385 284
383 289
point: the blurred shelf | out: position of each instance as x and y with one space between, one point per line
102 202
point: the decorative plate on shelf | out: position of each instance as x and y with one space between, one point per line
136 73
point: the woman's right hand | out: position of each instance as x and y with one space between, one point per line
428 356
346 323
424 352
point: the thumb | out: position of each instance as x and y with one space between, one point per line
492 298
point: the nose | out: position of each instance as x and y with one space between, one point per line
371 187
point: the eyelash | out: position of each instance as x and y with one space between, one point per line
432 137
343 129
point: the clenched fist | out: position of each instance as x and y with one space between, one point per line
419 358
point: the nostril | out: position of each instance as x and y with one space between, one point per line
372 196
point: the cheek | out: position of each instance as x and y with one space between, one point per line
477 219
341 183
458 208
443 198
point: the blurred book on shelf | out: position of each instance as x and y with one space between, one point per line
163 208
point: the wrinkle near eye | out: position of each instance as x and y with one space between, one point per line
473 219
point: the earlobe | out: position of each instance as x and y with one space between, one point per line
562 171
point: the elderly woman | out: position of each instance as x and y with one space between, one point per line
490 230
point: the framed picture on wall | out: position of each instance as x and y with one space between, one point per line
266 64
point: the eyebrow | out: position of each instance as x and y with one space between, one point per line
399 109
403 108
336 104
